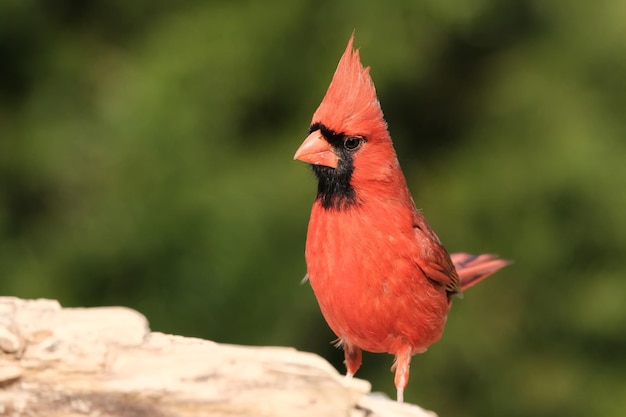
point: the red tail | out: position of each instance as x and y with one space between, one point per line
474 268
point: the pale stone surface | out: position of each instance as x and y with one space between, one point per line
70 362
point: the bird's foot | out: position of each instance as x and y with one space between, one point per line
400 397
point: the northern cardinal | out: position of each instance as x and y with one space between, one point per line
382 278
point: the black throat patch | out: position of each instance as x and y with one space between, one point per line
334 190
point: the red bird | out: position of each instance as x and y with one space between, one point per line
382 278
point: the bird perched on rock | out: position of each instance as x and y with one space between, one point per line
383 280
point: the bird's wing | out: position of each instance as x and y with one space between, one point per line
434 260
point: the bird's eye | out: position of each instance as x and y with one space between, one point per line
352 143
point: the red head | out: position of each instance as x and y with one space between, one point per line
348 145
350 104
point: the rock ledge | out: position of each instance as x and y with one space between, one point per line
104 361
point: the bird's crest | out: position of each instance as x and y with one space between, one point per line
350 105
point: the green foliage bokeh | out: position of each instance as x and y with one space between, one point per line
146 160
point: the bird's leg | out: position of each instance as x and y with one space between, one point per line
401 365
352 360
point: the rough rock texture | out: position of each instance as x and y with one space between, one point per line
105 362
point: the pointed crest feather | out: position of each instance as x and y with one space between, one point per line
350 105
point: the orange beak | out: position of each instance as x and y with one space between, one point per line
316 150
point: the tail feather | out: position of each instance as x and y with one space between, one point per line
474 268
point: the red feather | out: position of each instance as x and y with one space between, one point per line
381 276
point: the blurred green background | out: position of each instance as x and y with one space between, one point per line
146 160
